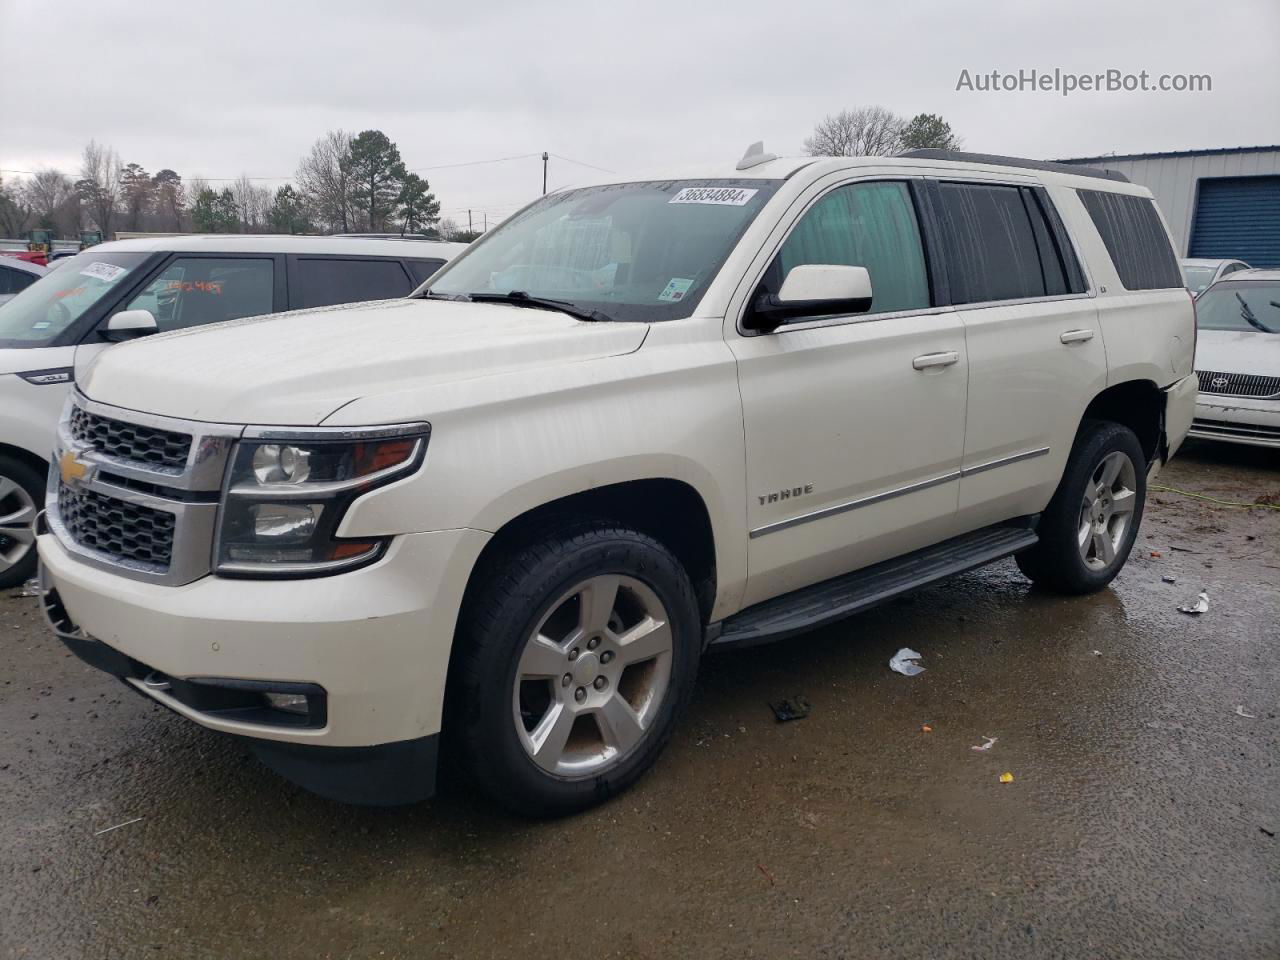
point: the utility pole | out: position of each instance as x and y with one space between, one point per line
468 221
544 172
486 221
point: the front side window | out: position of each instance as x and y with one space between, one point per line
870 225
15 281
1249 305
51 305
195 291
992 251
1135 238
627 251
322 281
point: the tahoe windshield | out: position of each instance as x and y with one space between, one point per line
1240 305
627 251
37 315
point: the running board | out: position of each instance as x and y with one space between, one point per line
852 593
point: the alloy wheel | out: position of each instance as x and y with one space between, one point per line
1106 510
17 523
592 676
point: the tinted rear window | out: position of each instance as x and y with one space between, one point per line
321 281
991 251
1135 238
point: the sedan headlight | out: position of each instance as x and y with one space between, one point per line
287 492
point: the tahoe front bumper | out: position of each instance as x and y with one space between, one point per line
368 650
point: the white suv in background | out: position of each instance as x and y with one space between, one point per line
54 327
640 418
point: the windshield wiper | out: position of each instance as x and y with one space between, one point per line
520 298
431 295
1249 317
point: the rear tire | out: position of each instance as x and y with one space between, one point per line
21 494
576 653
1089 527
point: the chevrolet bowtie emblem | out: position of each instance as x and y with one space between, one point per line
72 469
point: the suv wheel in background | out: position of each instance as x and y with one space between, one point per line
1090 525
576 654
21 490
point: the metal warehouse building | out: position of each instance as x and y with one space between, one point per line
1220 204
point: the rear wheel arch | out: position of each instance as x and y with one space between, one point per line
1136 404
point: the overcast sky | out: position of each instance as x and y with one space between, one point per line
219 89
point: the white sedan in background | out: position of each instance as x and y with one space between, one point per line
1198 275
1238 359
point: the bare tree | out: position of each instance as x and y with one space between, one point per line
324 177
15 212
252 205
99 184
864 132
53 201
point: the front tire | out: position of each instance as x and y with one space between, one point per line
1089 527
576 653
21 491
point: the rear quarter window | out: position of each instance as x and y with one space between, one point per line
322 281
1135 239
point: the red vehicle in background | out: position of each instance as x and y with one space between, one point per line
39 257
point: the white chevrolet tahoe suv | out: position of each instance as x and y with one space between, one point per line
507 515
54 328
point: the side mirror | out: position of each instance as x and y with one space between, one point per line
812 290
129 325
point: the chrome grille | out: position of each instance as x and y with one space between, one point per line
126 532
130 441
136 493
1237 384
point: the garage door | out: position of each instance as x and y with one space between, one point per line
1238 218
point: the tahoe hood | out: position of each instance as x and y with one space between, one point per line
297 368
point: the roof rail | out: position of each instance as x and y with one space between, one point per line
1068 168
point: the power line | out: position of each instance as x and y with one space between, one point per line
582 163
473 163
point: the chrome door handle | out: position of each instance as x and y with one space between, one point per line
936 360
1076 336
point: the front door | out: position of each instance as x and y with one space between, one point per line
854 424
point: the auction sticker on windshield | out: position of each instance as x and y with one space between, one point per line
725 196
107 272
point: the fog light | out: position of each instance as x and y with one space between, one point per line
288 702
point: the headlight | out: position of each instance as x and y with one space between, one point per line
287 492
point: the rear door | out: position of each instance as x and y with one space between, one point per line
854 424
1035 348
320 281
